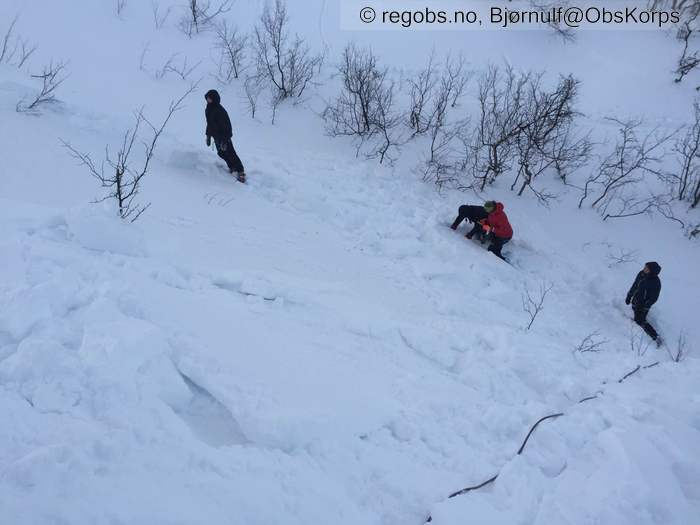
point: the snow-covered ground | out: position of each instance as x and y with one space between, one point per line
317 347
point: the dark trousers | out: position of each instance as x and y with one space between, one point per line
497 245
227 152
640 317
496 242
472 213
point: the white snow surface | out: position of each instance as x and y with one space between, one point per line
317 347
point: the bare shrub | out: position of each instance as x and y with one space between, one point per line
533 302
201 15
680 352
51 77
7 50
566 33
521 123
160 17
442 164
421 90
252 93
119 7
142 57
615 187
689 59
122 181
689 11
502 98
639 341
364 109
686 182
285 63
24 51
545 137
591 343
621 257
231 45
433 91
684 7
12 46
177 66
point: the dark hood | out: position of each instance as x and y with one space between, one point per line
214 95
654 267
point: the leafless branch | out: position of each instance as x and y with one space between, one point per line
614 186
621 256
201 15
285 63
566 33
545 139
252 94
159 17
365 108
122 181
639 342
686 182
231 46
26 50
5 53
591 343
52 76
501 100
680 352
180 68
689 59
119 7
533 304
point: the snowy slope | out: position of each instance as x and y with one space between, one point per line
317 346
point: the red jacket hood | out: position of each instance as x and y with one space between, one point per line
498 220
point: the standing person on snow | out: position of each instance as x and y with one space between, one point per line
643 294
495 225
219 128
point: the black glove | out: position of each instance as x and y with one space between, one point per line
208 141
628 300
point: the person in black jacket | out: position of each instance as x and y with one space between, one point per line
643 294
473 214
219 129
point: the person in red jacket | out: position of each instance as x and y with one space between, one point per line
496 227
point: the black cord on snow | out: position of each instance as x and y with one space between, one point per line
492 479
532 429
628 374
550 416
587 399
475 487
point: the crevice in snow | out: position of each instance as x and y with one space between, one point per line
208 418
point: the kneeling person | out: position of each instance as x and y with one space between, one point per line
473 214
495 225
